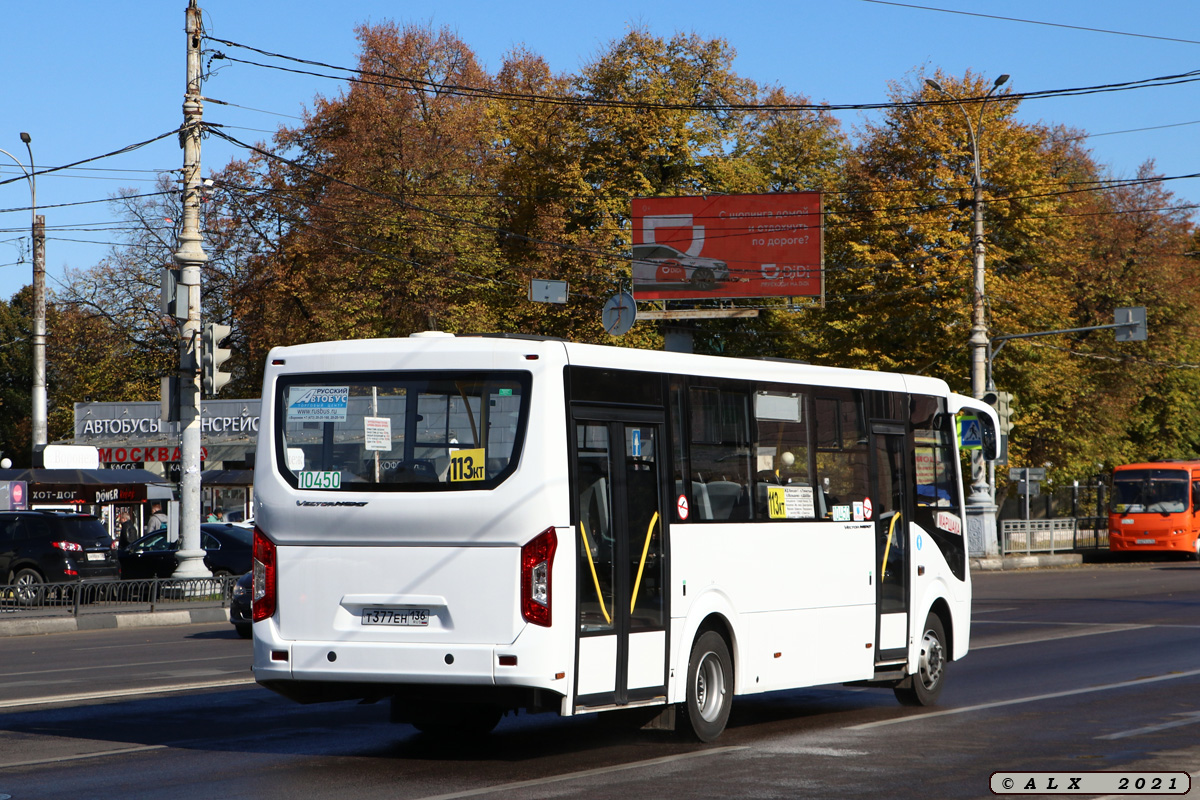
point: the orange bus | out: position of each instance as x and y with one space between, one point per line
1156 506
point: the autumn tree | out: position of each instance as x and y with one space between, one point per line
382 202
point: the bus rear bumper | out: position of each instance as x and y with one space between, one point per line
315 671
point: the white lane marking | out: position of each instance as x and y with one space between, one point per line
1055 635
503 788
1019 700
118 693
92 669
991 610
1190 718
82 756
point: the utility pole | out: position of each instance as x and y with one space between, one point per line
981 507
38 232
40 433
190 257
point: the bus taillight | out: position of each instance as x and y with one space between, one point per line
537 562
262 599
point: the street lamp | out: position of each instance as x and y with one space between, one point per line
980 490
39 302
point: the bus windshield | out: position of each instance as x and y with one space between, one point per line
402 431
1142 491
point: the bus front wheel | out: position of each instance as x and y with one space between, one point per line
709 687
923 687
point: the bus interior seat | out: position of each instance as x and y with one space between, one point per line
594 509
441 465
724 497
762 480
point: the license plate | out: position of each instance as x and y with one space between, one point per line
95 556
395 616
1145 541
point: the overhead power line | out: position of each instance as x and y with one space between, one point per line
127 149
385 79
1032 22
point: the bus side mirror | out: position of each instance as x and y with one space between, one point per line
991 438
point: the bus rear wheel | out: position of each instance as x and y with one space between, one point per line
923 687
709 687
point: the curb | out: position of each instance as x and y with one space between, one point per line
997 563
93 622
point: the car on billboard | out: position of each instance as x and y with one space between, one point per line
664 266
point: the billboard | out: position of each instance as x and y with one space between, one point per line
748 245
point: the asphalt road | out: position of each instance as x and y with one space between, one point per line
1071 670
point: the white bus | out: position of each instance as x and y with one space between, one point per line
468 525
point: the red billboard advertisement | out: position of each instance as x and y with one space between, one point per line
744 245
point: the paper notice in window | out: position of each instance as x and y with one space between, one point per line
790 502
377 434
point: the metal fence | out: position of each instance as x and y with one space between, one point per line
107 597
1053 535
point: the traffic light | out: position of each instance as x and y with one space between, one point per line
1004 404
214 357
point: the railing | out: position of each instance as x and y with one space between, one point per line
1053 535
77 599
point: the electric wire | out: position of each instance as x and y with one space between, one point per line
450 89
1032 21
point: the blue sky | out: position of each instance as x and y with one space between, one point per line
86 78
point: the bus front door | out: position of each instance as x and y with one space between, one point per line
892 516
621 655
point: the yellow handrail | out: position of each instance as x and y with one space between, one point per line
888 548
645 550
587 548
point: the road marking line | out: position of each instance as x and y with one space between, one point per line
1020 700
1193 718
586 773
118 693
1055 635
122 667
82 756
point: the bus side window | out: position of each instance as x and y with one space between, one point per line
720 451
843 461
1196 495
782 448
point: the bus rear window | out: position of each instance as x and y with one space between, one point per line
400 431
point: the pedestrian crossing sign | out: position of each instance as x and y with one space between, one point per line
970 433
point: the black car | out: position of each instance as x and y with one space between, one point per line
39 547
239 606
227 551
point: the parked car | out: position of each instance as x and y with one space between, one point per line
227 551
662 266
239 606
39 547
